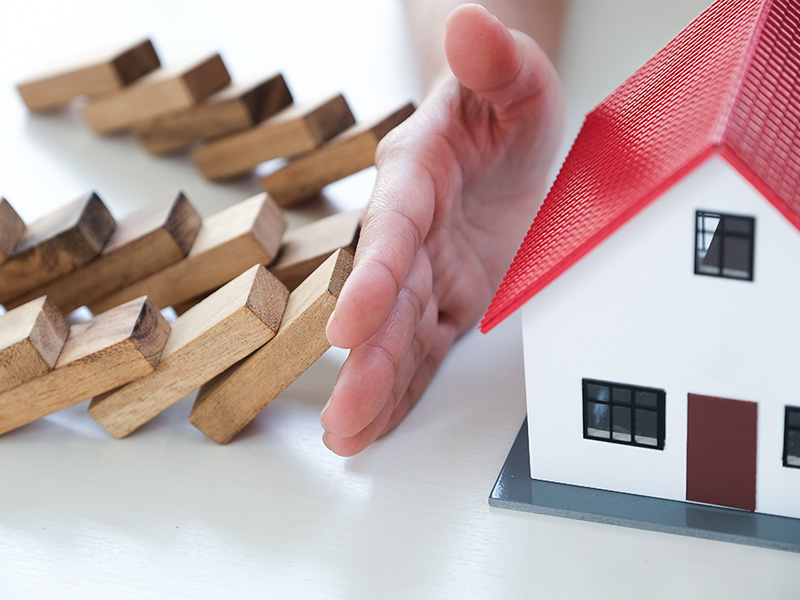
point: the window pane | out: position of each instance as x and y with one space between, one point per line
598 423
622 423
597 392
793 417
736 262
648 399
743 225
710 256
621 396
647 427
793 449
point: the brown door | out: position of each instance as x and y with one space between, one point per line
721 452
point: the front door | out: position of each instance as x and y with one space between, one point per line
721 452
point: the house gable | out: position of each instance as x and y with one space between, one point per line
634 312
728 83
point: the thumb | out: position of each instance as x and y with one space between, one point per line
501 67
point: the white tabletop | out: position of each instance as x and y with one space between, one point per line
166 512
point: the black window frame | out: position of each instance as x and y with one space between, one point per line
659 410
722 228
786 429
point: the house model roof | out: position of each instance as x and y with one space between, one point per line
728 84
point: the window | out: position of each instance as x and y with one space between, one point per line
724 245
623 414
791 437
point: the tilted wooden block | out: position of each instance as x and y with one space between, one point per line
159 93
227 326
305 248
225 405
11 229
233 109
99 355
347 153
227 244
31 338
100 75
56 244
292 131
142 244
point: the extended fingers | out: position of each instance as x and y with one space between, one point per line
369 374
491 61
350 445
395 225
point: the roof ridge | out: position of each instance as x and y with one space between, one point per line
744 69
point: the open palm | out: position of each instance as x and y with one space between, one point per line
458 184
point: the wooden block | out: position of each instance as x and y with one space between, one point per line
56 244
159 93
307 247
142 244
99 355
231 110
226 327
225 405
227 244
347 153
292 131
11 229
304 249
31 338
99 75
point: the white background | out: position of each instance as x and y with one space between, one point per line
166 512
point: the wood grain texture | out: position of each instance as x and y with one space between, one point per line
227 244
141 244
227 326
12 229
292 131
104 353
347 153
55 245
228 111
304 249
159 93
100 75
31 338
225 405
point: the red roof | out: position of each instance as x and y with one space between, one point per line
729 84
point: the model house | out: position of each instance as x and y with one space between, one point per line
660 281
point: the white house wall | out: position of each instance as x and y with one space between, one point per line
633 311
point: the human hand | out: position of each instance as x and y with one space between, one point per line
458 185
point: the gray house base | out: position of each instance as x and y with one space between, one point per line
516 490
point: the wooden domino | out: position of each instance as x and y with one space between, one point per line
101 75
347 153
227 326
104 353
142 244
159 93
31 338
305 248
292 131
227 244
225 405
233 109
11 229
56 244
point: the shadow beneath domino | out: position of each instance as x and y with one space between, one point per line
121 172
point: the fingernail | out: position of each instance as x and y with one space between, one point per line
322 414
325 440
328 326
